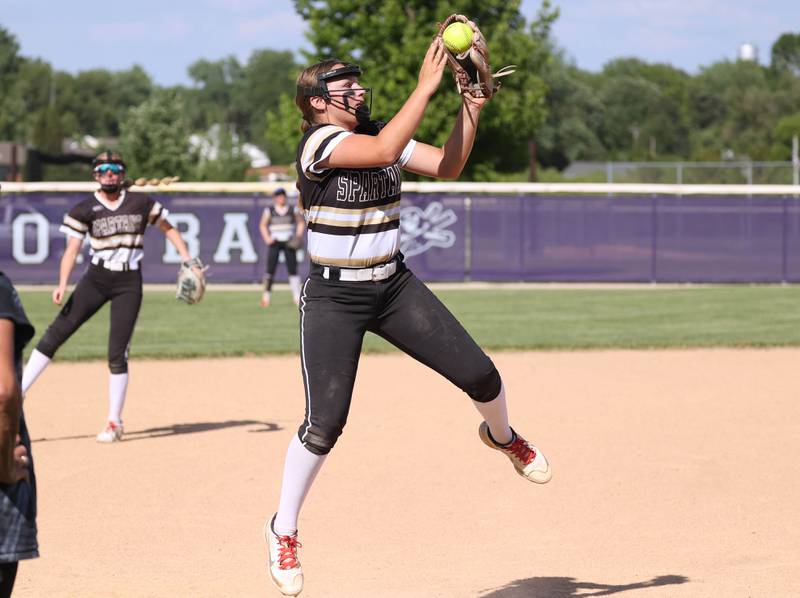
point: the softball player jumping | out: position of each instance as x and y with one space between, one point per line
280 226
115 221
350 187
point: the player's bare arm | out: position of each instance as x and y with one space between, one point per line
65 268
448 161
365 151
263 227
174 236
171 233
13 457
301 225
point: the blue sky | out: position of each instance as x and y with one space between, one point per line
165 36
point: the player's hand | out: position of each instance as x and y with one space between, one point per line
473 103
430 74
21 462
58 295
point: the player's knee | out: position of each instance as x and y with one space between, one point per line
319 445
118 365
52 339
485 387
46 347
320 441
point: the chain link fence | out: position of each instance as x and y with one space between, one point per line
688 173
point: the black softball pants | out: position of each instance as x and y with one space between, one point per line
335 315
8 573
289 254
98 286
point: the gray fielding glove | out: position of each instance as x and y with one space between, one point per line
191 287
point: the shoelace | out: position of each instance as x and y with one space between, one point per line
287 552
522 451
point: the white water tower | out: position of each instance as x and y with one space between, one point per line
748 52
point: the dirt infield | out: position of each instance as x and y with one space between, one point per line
675 474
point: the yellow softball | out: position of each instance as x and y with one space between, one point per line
457 37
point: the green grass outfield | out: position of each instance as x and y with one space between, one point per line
229 323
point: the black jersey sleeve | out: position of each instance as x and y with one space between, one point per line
11 309
78 220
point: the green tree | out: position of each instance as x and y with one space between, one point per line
9 57
629 105
736 108
131 87
239 96
786 53
268 75
644 109
48 134
212 100
30 95
785 130
12 105
282 131
94 105
574 116
155 138
389 39
221 157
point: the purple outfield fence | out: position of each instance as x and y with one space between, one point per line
455 237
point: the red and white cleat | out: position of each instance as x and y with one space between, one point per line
112 432
528 460
284 566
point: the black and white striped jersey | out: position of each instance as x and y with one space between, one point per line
282 221
353 215
115 235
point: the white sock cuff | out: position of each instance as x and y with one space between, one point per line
117 389
495 414
294 285
37 362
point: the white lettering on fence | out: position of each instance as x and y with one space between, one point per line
41 228
235 236
189 227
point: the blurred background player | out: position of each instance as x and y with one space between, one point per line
282 229
115 221
17 480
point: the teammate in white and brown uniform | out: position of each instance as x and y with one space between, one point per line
114 220
281 227
349 177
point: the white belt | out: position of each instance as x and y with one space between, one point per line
362 274
114 266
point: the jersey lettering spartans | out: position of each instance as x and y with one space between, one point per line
353 215
115 235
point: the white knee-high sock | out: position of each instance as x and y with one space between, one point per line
495 413
36 364
294 284
117 388
299 470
